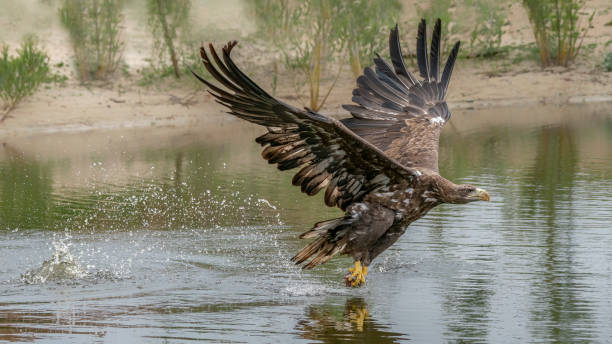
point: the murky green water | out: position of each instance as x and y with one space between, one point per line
179 234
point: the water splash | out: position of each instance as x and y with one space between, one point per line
309 288
61 267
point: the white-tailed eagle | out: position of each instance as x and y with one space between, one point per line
380 166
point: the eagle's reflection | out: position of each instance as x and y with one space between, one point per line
331 323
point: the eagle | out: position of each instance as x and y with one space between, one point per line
379 166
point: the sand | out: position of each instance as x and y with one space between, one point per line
73 107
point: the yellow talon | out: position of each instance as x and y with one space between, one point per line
357 275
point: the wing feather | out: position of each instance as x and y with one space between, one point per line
399 114
422 50
397 59
330 155
434 57
448 68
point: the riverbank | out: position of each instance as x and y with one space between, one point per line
74 108
508 81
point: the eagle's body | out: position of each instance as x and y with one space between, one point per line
380 166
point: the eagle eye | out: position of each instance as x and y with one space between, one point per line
467 189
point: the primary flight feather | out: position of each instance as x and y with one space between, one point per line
380 166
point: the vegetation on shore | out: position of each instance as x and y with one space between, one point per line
312 39
94 29
558 28
169 23
22 74
607 64
318 37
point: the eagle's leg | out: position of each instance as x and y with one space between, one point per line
356 276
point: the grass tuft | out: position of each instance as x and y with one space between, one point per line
21 75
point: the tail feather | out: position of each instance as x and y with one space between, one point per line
322 227
331 240
308 251
330 250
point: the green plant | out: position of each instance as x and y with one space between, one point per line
362 24
168 20
486 35
557 29
308 36
190 60
607 62
21 75
93 26
273 20
312 45
523 52
313 36
431 11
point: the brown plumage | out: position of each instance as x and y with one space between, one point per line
380 166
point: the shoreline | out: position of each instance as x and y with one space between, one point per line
153 112
512 80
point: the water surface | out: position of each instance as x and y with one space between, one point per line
173 235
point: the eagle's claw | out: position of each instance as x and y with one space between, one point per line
356 276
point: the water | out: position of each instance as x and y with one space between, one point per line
173 235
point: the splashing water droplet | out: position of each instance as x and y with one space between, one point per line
62 266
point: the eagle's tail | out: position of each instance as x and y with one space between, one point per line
331 239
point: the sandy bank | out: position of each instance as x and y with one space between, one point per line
123 104
75 108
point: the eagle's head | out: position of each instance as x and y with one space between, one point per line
465 193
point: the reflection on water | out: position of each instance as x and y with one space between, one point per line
26 186
172 235
329 323
563 313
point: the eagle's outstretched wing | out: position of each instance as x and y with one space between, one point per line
398 113
330 155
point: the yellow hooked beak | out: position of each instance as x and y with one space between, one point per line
482 195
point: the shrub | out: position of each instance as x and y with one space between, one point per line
313 35
607 63
93 26
486 34
363 25
557 29
168 21
21 75
481 20
307 34
431 11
